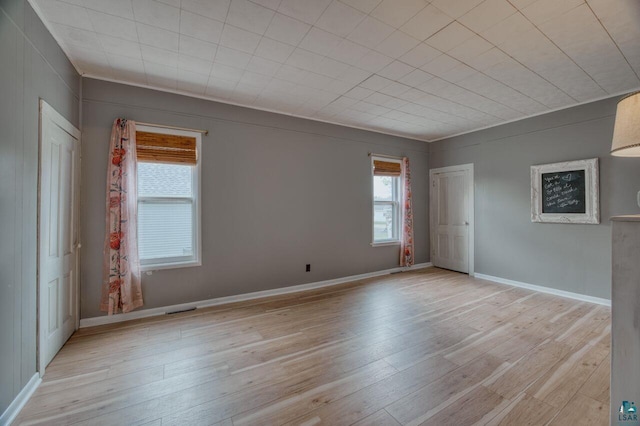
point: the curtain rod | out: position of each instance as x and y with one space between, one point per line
205 132
384 156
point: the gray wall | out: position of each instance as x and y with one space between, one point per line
574 257
32 67
278 192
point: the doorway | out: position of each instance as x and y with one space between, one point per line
452 218
57 233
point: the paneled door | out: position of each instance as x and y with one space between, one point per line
451 216
58 233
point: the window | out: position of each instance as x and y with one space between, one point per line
168 198
386 200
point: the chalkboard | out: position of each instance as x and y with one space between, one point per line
564 192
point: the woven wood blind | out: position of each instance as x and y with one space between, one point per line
386 168
161 148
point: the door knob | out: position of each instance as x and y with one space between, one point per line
466 223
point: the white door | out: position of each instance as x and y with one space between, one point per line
58 234
451 203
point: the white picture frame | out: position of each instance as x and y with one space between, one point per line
556 177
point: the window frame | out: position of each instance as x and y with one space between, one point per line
182 261
396 204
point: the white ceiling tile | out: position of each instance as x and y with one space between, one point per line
320 41
239 39
274 50
120 8
373 61
161 75
210 9
420 55
348 52
270 4
225 72
159 56
416 78
440 65
370 32
354 75
426 23
292 74
331 67
397 44
263 66
113 26
396 70
540 11
359 93
158 37
470 49
249 16
157 14
340 19
395 89
487 59
232 57
457 73
254 79
67 14
397 12
122 47
192 82
304 10
200 27
305 60
449 37
507 29
455 8
487 14
174 3
198 48
77 37
378 98
375 82
286 29
195 65
365 6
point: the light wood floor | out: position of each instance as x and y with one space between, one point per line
430 347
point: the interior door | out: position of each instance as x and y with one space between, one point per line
450 219
59 167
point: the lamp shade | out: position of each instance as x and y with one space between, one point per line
626 133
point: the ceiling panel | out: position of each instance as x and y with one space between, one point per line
416 68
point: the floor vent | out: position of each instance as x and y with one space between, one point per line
181 311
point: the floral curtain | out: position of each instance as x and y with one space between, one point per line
406 245
121 290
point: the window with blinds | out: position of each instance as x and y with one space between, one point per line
386 200
168 205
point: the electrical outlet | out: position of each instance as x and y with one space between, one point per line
308 267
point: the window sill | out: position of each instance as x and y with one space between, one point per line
174 265
385 243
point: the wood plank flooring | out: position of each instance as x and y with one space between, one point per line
430 347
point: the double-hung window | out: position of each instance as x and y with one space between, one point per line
168 198
386 200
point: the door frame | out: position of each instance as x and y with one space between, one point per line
56 118
461 167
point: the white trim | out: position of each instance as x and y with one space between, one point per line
472 218
58 119
20 400
90 322
548 290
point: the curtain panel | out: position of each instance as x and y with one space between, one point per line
406 241
121 291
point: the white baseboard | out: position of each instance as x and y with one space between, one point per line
144 313
20 400
549 290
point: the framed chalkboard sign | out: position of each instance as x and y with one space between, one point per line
565 192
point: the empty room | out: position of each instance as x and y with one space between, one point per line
320 212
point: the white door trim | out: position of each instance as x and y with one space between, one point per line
56 118
472 219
